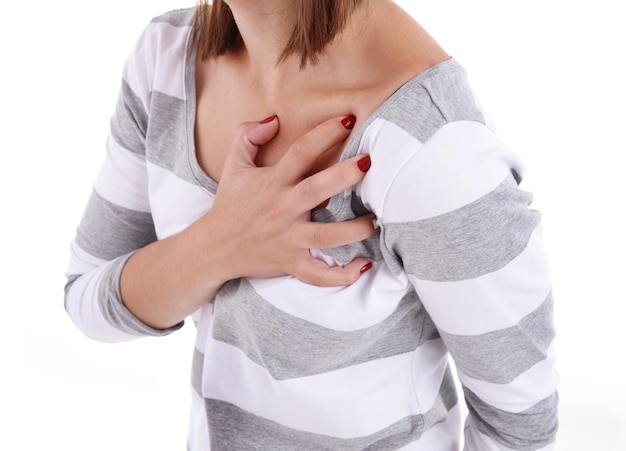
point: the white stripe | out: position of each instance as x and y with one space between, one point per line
462 162
81 261
169 77
389 147
491 302
137 73
205 326
347 403
368 301
175 202
83 309
198 437
122 179
144 73
530 387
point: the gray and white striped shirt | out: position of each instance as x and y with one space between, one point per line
459 270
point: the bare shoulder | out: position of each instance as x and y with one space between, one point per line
398 41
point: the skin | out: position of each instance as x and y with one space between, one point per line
271 175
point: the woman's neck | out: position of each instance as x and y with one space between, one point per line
366 51
265 27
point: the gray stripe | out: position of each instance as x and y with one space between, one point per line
501 356
177 18
107 230
166 140
197 366
427 102
112 308
130 121
369 248
514 429
449 90
234 428
394 264
290 347
476 239
197 369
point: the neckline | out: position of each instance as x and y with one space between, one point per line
350 150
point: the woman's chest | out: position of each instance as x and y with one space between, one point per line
226 102
216 131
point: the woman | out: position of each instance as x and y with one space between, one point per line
317 328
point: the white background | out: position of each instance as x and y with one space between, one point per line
551 75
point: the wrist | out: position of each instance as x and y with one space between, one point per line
213 244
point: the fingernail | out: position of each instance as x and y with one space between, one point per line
366 267
267 120
364 163
349 121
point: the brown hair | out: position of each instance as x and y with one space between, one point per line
318 22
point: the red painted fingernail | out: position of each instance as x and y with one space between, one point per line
364 163
349 121
366 268
267 120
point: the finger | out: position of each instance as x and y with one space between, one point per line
316 272
321 186
301 156
248 138
322 235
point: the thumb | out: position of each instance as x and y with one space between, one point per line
249 137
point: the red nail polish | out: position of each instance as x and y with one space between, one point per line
364 163
349 121
366 267
267 120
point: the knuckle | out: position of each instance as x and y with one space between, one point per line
352 277
303 270
328 139
347 280
300 150
320 238
347 174
270 215
309 191
333 129
316 279
241 132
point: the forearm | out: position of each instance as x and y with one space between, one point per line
166 281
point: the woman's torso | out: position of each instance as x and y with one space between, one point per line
281 363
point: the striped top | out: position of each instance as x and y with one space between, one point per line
459 270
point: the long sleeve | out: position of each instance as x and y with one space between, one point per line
117 220
455 221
